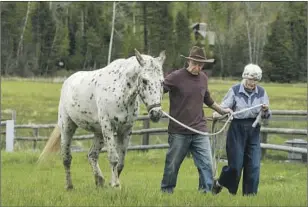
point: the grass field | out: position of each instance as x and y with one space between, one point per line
23 183
36 102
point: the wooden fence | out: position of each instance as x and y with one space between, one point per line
278 115
8 114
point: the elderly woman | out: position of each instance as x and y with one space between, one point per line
243 141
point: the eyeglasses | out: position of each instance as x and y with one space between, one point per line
252 80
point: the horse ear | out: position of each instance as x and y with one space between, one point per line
162 57
139 58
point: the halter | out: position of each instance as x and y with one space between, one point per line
153 106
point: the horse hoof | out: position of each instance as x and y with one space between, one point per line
70 187
99 181
115 185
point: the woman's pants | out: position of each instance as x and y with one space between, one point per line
243 152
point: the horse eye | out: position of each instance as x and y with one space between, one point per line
145 82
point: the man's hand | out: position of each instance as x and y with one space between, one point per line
221 110
227 111
223 114
216 115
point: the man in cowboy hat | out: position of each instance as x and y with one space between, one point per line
198 55
188 90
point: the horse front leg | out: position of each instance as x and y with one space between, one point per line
93 156
122 144
113 156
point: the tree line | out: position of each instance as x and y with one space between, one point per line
59 38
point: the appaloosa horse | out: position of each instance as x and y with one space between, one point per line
105 102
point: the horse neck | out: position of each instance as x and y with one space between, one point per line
130 81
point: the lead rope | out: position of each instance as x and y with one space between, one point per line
224 126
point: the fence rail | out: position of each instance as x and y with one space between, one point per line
10 112
164 130
263 145
147 131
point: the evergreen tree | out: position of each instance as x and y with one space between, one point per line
36 36
277 60
161 36
183 41
43 30
286 50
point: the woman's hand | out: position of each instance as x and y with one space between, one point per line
264 107
227 111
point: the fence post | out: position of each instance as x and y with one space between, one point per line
146 136
9 138
13 115
263 140
35 134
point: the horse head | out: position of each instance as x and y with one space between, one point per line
150 88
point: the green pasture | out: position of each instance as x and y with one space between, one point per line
36 102
24 183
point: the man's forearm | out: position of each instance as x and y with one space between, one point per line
217 108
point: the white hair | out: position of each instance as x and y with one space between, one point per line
252 71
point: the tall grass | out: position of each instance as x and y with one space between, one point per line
26 184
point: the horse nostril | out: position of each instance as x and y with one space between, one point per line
152 113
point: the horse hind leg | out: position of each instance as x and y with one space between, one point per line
93 156
68 128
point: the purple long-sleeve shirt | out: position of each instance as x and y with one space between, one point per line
187 93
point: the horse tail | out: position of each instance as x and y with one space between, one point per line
52 145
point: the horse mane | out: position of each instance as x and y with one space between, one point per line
131 62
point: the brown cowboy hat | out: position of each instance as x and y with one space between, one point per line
197 54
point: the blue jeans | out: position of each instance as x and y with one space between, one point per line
243 152
200 148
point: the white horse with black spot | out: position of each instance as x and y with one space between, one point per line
106 102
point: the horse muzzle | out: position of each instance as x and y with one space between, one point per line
155 112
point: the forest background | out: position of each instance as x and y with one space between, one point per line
49 39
